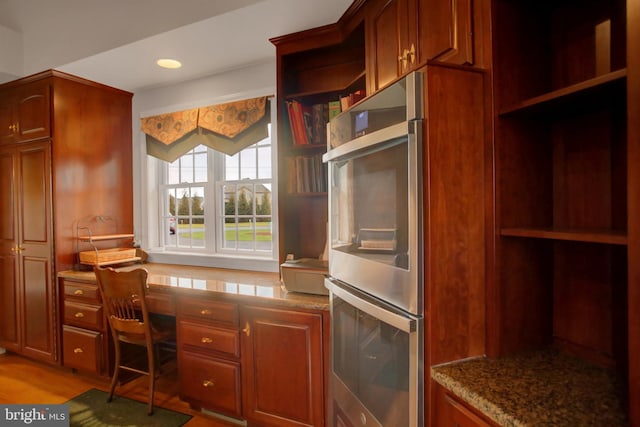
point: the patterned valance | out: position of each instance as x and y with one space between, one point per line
226 127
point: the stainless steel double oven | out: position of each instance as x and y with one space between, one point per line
375 259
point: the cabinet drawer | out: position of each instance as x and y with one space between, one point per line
214 311
212 383
209 338
79 290
82 349
83 315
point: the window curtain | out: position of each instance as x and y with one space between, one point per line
227 128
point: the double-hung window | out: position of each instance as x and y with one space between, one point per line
213 203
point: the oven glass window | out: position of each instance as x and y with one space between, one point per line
371 358
369 205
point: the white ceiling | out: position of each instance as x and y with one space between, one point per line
117 42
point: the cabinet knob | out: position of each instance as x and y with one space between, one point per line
78 350
208 383
205 312
206 340
247 329
79 315
78 292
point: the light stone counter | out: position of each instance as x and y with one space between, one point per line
237 285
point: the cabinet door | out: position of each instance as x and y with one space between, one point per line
391 41
445 31
282 367
25 113
35 250
25 251
450 412
7 120
9 316
33 111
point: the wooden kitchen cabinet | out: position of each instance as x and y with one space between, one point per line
209 354
402 35
282 367
28 297
65 151
85 333
392 43
450 411
446 30
25 112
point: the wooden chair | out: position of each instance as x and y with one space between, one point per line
123 297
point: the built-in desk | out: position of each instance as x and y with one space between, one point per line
245 286
247 347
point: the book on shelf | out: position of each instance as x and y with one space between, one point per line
308 122
320 115
347 101
306 174
296 121
334 109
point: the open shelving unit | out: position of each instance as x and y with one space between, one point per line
314 68
91 234
564 184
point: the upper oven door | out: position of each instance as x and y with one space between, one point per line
375 214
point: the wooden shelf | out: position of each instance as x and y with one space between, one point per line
118 261
611 237
105 237
573 96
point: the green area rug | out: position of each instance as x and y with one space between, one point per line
92 409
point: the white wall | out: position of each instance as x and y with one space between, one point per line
11 58
252 81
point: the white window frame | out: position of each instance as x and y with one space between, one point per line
213 193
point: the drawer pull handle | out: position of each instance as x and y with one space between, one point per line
208 383
206 340
247 329
78 350
79 315
205 312
78 292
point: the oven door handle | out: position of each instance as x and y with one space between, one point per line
372 308
369 141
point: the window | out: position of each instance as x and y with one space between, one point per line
213 203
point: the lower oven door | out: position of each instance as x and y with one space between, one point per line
377 361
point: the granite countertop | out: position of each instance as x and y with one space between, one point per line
544 388
243 285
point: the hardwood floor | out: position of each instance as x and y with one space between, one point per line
27 381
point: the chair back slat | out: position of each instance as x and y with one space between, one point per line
123 295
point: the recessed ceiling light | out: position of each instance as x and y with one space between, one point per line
168 63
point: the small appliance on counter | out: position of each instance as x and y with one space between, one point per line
305 275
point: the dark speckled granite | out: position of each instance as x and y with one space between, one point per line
544 388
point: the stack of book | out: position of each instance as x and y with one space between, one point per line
307 174
309 122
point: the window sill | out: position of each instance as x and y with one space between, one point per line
217 261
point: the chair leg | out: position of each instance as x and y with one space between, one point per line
152 376
116 369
